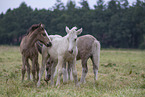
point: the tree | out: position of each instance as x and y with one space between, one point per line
125 4
1 15
115 24
84 4
113 6
70 5
100 5
59 5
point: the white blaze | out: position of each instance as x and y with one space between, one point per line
47 35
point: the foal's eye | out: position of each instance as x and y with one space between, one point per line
42 28
75 39
44 34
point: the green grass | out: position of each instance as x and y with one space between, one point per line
121 74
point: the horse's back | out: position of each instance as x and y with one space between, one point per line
54 37
84 44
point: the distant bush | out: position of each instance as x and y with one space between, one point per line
142 45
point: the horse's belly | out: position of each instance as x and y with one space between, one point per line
69 57
30 53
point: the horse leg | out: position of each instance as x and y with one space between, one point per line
60 70
84 70
37 69
95 62
69 70
65 78
44 60
74 71
23 68
33 68
53 68
28 70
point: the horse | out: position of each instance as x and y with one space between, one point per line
29 50
49 62
63 50
88 47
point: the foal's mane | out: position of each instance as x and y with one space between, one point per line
74 28
32 28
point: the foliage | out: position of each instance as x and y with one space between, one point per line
116 24
121 73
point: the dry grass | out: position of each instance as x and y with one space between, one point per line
121 74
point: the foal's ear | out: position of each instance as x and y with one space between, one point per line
40 24
67 29
79 31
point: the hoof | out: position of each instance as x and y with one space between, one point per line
77 85
38 84
82 82
46 81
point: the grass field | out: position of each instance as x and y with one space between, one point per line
121 74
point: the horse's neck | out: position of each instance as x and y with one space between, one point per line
31 39
65 38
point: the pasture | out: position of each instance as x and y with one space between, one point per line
121 74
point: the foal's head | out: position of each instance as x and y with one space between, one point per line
40 33
48 69
72 38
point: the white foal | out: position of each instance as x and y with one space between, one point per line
63 49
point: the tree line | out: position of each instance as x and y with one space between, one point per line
115 24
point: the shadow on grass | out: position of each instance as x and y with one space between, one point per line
29 84
143 86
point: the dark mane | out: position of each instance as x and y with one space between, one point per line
32 28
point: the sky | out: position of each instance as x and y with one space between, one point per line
40 4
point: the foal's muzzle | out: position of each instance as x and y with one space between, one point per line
49 44
48 77
70 51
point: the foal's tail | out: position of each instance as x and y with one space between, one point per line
39 47
96 53
96 58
